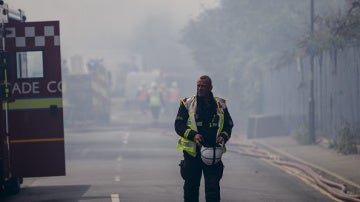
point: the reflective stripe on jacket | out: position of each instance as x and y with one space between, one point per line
190 104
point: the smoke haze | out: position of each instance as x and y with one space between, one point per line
110 29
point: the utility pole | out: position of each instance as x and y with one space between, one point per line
311 99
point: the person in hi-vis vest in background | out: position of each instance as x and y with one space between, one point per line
204 125
155 101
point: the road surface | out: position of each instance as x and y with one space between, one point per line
133 162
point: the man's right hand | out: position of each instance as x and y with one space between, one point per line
198 139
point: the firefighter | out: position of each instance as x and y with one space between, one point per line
141 97
155 101
202 121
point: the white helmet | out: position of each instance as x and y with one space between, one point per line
211 155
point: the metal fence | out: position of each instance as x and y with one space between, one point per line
286 91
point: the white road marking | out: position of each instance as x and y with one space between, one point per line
115 198
125 141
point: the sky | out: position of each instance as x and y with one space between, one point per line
110 29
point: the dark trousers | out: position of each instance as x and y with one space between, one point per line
191 170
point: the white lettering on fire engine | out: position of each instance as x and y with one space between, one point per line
34 87
26 88
54 87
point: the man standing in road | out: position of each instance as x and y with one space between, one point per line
155 102
203 124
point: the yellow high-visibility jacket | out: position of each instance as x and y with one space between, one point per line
185 141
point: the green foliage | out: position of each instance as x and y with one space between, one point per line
335 31
301 135
345 141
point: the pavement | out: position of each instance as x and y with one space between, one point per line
345 168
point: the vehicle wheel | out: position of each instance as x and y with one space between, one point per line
12 186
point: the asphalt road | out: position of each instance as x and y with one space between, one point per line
135 163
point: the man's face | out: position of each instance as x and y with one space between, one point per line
203 87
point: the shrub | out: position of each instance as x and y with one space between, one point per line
301 135
345 140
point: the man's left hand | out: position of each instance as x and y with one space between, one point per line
220 140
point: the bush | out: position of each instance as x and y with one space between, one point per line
301 135
345 140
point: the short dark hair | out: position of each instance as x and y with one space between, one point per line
206 77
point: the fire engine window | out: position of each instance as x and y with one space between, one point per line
29 64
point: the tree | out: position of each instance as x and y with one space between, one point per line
239 39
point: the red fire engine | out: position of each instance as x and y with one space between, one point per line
87 95
31 120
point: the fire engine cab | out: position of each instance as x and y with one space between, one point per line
31 120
